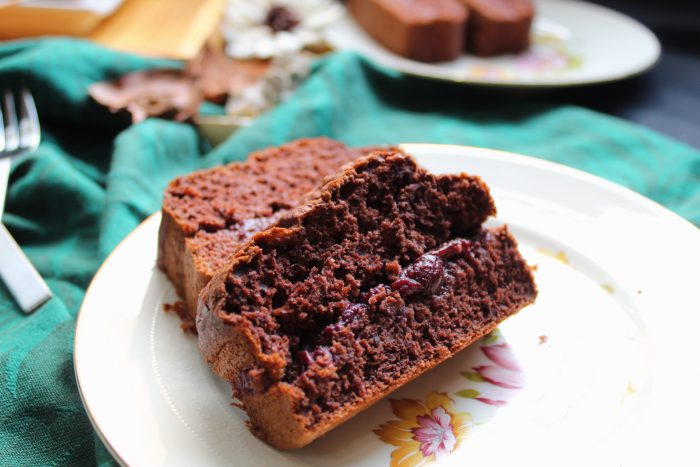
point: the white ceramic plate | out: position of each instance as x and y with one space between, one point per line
573 43
602 370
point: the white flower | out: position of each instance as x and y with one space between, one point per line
273 28
282 79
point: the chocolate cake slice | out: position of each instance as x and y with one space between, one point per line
207 215
498 26
381 274
425 30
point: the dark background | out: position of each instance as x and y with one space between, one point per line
667 98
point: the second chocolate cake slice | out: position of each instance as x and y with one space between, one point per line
498 26
425 30
381 274
208 214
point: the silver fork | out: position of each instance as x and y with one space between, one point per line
19 134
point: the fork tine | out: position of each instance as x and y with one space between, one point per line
29 130
11 128
2 132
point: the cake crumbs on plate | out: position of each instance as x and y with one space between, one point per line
180 309
560 255
543 339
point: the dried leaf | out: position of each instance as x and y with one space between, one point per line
219 75
153 93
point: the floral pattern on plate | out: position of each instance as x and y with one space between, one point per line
549 54
429 430
426 430
499 376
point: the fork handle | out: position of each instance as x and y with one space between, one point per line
24 282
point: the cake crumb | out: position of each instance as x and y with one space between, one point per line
608 288
238 404
629 390
560 256
543 339
180 309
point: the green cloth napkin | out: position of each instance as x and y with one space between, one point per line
92 181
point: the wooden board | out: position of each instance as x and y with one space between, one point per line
161 28
18 21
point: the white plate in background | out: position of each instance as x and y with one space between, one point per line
573 43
